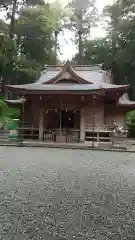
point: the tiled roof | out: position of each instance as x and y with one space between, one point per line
48 75
94 79
95 76
89 73
66 87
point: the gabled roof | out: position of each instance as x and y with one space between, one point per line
85 79
65 72
82 74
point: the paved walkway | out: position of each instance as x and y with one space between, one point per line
62 194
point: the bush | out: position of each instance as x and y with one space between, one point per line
130 122
7 113
3 110
13 113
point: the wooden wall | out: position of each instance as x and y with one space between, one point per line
31 113
98 113
102 114
114 114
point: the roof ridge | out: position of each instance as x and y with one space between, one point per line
85 65
72 65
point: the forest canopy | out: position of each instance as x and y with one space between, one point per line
29 38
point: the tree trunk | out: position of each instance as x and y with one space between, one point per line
80 47
12 23
56 43
80 37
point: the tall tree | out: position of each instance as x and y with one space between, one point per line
35 37
58 17
95 52
121 36
83 15
23 57
12 7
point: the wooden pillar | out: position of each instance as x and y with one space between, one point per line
82 133
98 137
41 124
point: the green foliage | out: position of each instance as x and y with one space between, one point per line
95 52
121 35
130 118
12 113
82 17
27 70
35 34
116 50
7 112
3 109
130 122
31 46
8 54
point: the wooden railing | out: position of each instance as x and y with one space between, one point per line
97 127
72 136
50 135
28 132
63 135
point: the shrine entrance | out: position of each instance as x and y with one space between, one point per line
67 119
62 125
62 119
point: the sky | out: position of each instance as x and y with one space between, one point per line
68 49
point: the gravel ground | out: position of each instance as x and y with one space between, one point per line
56 194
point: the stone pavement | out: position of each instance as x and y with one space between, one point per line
57 194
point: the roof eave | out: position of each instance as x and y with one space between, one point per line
127 105
20 87
47 92
17 102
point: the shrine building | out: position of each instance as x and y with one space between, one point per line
71 104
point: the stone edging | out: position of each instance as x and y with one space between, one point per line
63 147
